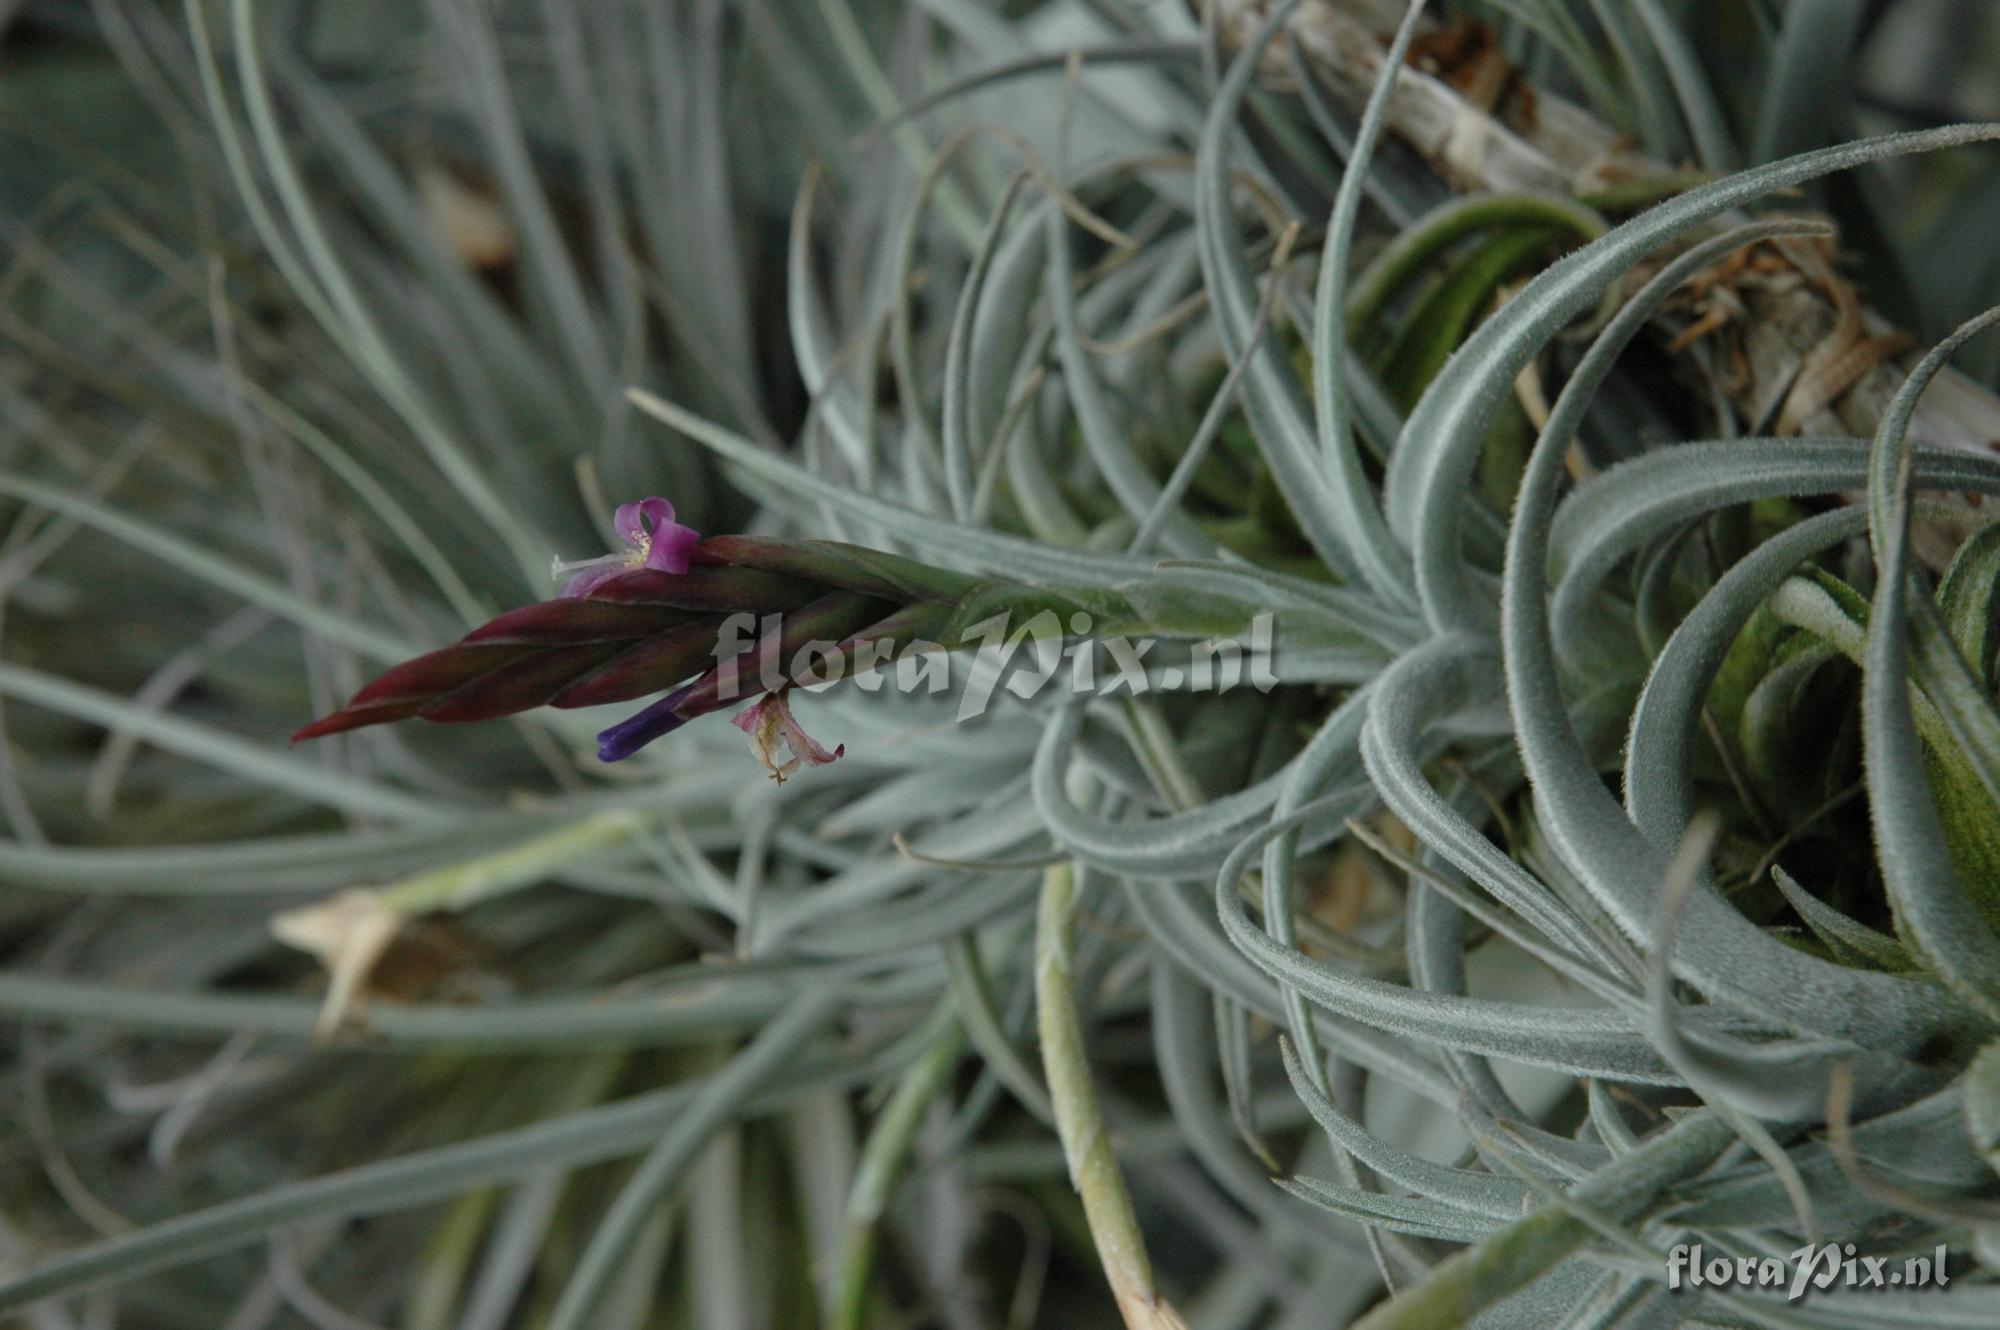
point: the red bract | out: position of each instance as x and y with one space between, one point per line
635 625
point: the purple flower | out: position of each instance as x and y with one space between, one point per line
628 736
654 540
769 722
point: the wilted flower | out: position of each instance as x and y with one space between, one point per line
769 723
654 540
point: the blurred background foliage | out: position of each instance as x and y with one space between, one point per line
314 351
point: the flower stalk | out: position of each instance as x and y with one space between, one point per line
349 931
881 1166
1093 1167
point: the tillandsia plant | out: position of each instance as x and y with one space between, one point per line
1581 907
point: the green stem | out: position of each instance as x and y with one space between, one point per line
983 1026
1093 1168
456 886
882 1163
349 931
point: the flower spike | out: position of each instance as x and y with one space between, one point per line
670 613
701 625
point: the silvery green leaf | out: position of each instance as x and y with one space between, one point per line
1411 1215
1931 902
1982 1104
1851 942
1969 600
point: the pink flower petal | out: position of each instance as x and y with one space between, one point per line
672 548
803 745
653 539
587 581
648 526
630 519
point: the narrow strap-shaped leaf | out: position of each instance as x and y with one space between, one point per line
1815 49
1412 249
223 573
1463 1189
1470 1281
381 1187
1108 440
956 426
1185 844
1660 745
1191 937
1410 697
1417 1216
1441 440
1849 939
1634 502
1580 1041
1185 1040
717 1100
1701 108
1917 869
254 762
1969 600
1327 758
1271 393
1384 563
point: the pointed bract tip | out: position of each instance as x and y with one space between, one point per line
347 719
